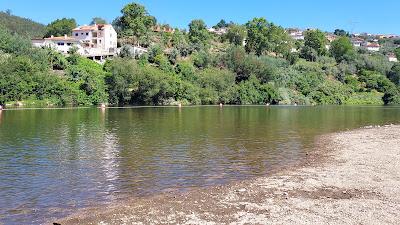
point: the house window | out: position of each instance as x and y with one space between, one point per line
81 33
69 44
76 34
60 43
87 34
100 41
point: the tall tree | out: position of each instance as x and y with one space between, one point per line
236 34
257 35
342 49
60 27
314 45
198 33
263 36
279 41
98 20
341 32
135 21
221 24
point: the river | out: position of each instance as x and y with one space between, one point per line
56 161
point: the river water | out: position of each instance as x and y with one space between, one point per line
56 161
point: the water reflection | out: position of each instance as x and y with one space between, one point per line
55 161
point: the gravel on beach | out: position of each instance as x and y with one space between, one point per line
351 177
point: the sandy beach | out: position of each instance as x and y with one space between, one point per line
351 177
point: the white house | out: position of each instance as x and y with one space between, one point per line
95 41
218 31
62 44
373 47
392 57
357 42
296 34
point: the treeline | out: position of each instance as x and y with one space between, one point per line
21 26
254 63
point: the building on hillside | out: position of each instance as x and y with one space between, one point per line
96 42
386 36
392 57
357 42
296 34
331 37
166 29
99 40
218 31
373 47
62 44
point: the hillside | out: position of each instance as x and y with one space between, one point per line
22 26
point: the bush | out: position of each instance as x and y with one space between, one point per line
216 86
330 92
365 98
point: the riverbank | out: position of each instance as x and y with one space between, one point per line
351 178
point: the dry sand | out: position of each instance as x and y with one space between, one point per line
351 178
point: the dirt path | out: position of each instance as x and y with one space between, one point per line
351 178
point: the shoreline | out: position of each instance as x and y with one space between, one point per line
350 177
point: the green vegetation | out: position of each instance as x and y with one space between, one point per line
198 67
60 27
21 26
98 20
46 77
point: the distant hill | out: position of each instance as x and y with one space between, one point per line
22 26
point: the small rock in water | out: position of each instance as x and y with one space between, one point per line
241 190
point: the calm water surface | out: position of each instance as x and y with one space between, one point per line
53 162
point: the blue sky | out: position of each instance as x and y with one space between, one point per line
352 15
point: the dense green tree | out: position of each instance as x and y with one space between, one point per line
342 49
221 24
121 80
263 36
155 51
98 20
13 43
236 34
198 34
341 32
257 35
201 59
135 22
391 96
279 41
397 53
394 74
60 27
314 45
180 42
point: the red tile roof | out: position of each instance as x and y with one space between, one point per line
91 27
62 38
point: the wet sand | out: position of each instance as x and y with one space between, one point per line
350 178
